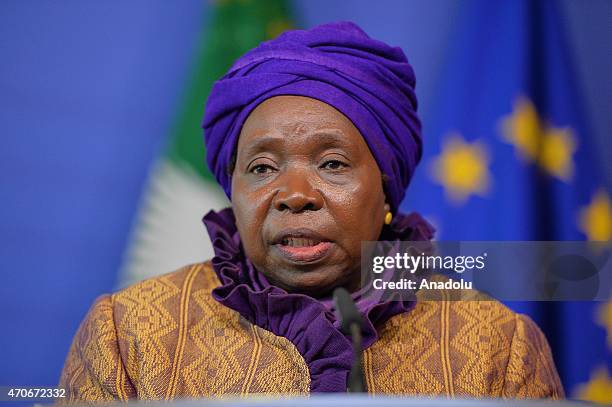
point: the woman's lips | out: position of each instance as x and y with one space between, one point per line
304 253
301 245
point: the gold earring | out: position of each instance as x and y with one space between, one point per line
388 218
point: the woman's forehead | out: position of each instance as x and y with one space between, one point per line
295 118
295 114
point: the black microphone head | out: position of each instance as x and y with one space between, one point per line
346 310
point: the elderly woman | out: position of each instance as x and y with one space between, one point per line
314 137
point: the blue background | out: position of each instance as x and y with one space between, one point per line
88 92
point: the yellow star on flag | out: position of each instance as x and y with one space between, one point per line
595 220
522 129
550 147
558 145
462 168
604 318
598 389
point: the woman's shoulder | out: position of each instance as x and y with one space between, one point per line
162 301
158 295
483 347
461 313
471 313
137 333
187 280
463 305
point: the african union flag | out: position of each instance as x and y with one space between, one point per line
508 157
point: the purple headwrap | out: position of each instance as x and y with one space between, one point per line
368 81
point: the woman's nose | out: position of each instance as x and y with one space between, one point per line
297 194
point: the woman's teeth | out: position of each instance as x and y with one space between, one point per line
299 242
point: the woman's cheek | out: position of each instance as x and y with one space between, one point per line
355 199
251 208
346 194
361 208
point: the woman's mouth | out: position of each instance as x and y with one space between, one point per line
302 246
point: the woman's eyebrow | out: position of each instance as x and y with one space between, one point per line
332 138
266 142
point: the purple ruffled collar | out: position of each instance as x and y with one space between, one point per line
310 324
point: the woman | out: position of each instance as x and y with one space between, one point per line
314 137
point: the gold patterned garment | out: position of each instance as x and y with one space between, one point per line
167 338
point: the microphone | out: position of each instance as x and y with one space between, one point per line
350 324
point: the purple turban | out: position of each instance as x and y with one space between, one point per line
368 81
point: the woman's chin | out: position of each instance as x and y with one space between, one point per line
316 283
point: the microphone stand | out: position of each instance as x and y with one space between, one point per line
350 322
356 380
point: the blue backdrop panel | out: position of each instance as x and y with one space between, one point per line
88 91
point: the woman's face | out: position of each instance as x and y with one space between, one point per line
306 191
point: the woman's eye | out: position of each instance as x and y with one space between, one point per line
333 165
261 169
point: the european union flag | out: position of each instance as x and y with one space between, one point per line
508 157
